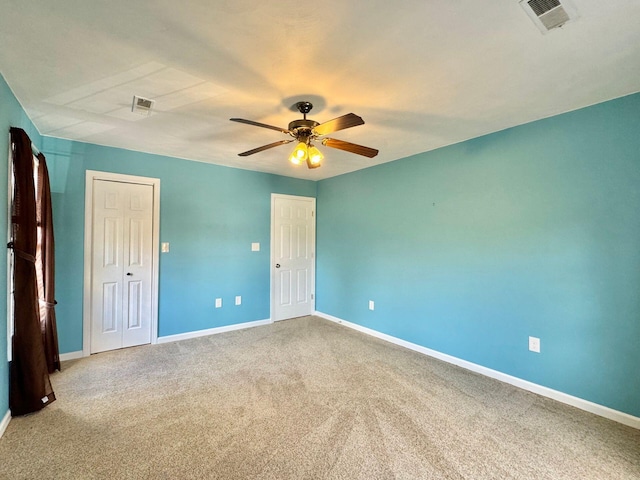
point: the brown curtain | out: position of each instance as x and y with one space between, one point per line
47 300
30 389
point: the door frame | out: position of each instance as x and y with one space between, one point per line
90 176
272 269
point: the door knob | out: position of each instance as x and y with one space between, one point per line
277 265
129 274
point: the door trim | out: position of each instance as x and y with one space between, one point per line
92 175
272 270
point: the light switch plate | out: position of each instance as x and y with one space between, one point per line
238 300
218 302
165 247
255 247
372 305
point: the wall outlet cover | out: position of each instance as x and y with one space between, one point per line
372 305
238 300
218 302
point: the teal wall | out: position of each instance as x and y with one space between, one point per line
11 115
470 249
209 214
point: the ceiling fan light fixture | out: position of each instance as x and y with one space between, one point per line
315 157
299 154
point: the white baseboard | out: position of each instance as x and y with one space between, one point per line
5 422
586 405
71 356
212 331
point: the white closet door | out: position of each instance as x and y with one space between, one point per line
121 265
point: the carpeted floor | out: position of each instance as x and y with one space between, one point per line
303 399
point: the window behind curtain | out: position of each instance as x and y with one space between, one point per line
39 273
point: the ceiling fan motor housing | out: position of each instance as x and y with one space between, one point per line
302 129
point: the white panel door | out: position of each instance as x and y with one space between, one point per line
293 256
121 267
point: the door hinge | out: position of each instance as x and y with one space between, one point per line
312 213
312 296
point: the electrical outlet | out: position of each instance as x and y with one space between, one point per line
372 305
218 302
238 300
534 344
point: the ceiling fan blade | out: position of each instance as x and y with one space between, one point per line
346 121
258 124
350 147
264 147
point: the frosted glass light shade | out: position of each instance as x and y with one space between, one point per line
315 157
299 154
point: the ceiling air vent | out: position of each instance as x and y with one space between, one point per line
549 14
142 106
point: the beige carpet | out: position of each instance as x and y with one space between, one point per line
303 399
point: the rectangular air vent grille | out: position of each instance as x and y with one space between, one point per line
549 14
141 105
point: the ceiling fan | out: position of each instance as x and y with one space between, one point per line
306 132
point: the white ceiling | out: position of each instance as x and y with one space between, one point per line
421 73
